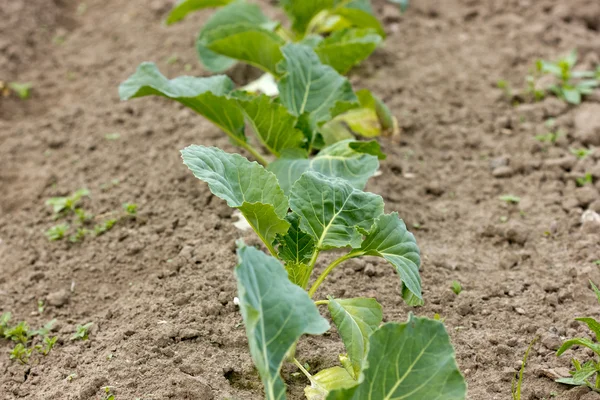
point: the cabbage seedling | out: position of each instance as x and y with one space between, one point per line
319 214
316 107
342 33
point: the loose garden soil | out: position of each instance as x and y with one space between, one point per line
159 289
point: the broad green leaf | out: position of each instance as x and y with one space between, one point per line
371 147
237 12
390 239
356 319
302 12
332 211
298 274
276 313
580 376
295 246
357 122
389 124
184 7
273 124
413 360
339 160
345 49
310 86
245 185
571 95
360 19
595 347
247 42
327 380
208 97
409 297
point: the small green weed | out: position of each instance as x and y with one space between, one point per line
511 199
130 209
581 153
571 85
21 89
549 137
456 287
57 232
69 203
516 384
584 180
82 332
24 337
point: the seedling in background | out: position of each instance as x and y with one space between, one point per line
505 87
456 287
104 227
66 204
584 180
23 336
21 89
581 153
532 90
40 306
82 332
130 209
584 373
57 232
510 199
275 291
516 384
572 85
550 137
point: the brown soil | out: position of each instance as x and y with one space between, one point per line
160 289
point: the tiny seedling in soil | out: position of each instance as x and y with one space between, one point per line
456 287
130 209
112 136
581 153
584 180
82 332
517 384
21 89
583 373
511 199
69 203
571 85
550 137
57 232
24 338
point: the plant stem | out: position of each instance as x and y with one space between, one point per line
254 153
324 274
321 302
301 368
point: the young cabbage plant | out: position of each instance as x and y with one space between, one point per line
571 85
583 373
316 107
342 33
314 213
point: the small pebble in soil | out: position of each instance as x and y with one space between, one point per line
58 299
